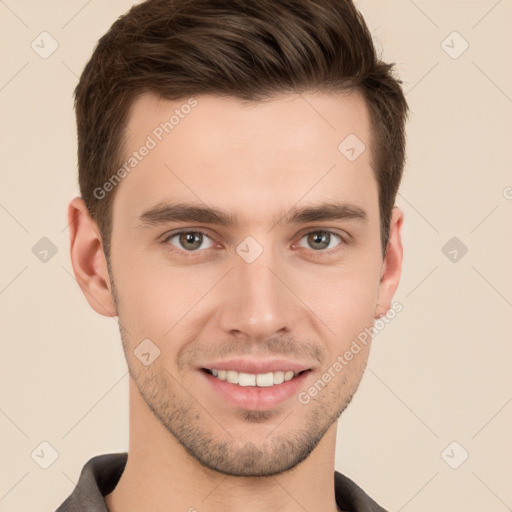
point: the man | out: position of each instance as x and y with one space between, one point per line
238 167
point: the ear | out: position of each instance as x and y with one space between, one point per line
88 259
392 264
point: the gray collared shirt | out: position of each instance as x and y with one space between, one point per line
101 474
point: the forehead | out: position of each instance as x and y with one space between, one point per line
236 155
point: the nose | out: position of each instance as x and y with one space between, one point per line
258 300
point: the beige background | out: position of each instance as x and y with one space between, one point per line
440 372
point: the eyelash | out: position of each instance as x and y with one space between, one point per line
190 254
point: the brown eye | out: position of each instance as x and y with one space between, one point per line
190 240
321 240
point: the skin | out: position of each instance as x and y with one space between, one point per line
188 446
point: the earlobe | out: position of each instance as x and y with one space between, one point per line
88 259
392 264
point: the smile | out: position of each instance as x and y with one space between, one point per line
251 379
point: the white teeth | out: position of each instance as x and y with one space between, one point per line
265 379
246 379
278 377
288 375
232 377
251 379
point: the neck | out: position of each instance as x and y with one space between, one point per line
161 476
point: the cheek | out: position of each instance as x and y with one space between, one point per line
159 300
344 298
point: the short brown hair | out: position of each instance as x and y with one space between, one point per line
248 49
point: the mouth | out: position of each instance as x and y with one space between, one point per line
254 391
262 380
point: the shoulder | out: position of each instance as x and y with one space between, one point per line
351 497
98 477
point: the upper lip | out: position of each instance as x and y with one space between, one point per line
258 366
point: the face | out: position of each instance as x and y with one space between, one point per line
246 244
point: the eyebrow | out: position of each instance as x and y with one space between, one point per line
164 213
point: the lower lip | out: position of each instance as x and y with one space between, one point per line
256 398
